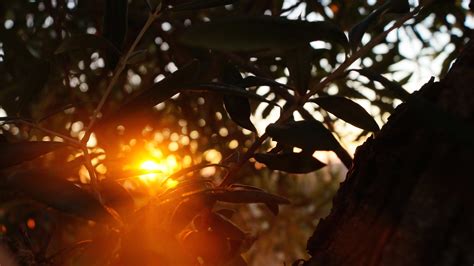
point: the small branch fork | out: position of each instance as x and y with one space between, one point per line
337 73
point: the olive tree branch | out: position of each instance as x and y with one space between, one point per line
337 73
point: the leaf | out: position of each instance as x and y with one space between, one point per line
308 135
117 197
115 26
299 163
228 213
58 193
225 227
85 41
201 4
260 33
299 65
357 32
237 107
246 196
348 111
16 153
254 81
392 86
225 89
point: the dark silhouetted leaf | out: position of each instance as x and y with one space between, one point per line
357 32
260 33
115 26
274 208
307 135
348 111
117 197
237 107
201 4
299 163
224 89
16 153
392 86
84 41
58 193
246 196
299 65
254 81
225 227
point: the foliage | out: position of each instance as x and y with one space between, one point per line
91 89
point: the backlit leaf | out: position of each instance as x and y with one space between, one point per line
58 193
299 163
299 65
348 111
16 153
308 135
260 33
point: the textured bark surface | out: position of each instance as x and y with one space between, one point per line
409 197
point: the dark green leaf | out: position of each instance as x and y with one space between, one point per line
201 4
348 111
237 107
246 196
58 193
307 135
299 65
299 163
392 86
260 33
84 41
16 153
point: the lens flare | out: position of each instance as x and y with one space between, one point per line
159 171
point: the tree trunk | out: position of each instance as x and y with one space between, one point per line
409 197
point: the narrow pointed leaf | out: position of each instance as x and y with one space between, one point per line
115 26
16 153
299 65
358 31
201 4
225 227
237 107
348 111
58 193
308 135
392 86
260 33
298 163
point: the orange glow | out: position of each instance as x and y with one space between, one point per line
31 223
159 171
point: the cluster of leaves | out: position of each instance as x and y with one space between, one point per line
224 51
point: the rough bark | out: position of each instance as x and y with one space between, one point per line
408 198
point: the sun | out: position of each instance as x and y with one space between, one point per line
159 172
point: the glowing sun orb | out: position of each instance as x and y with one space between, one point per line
159 171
